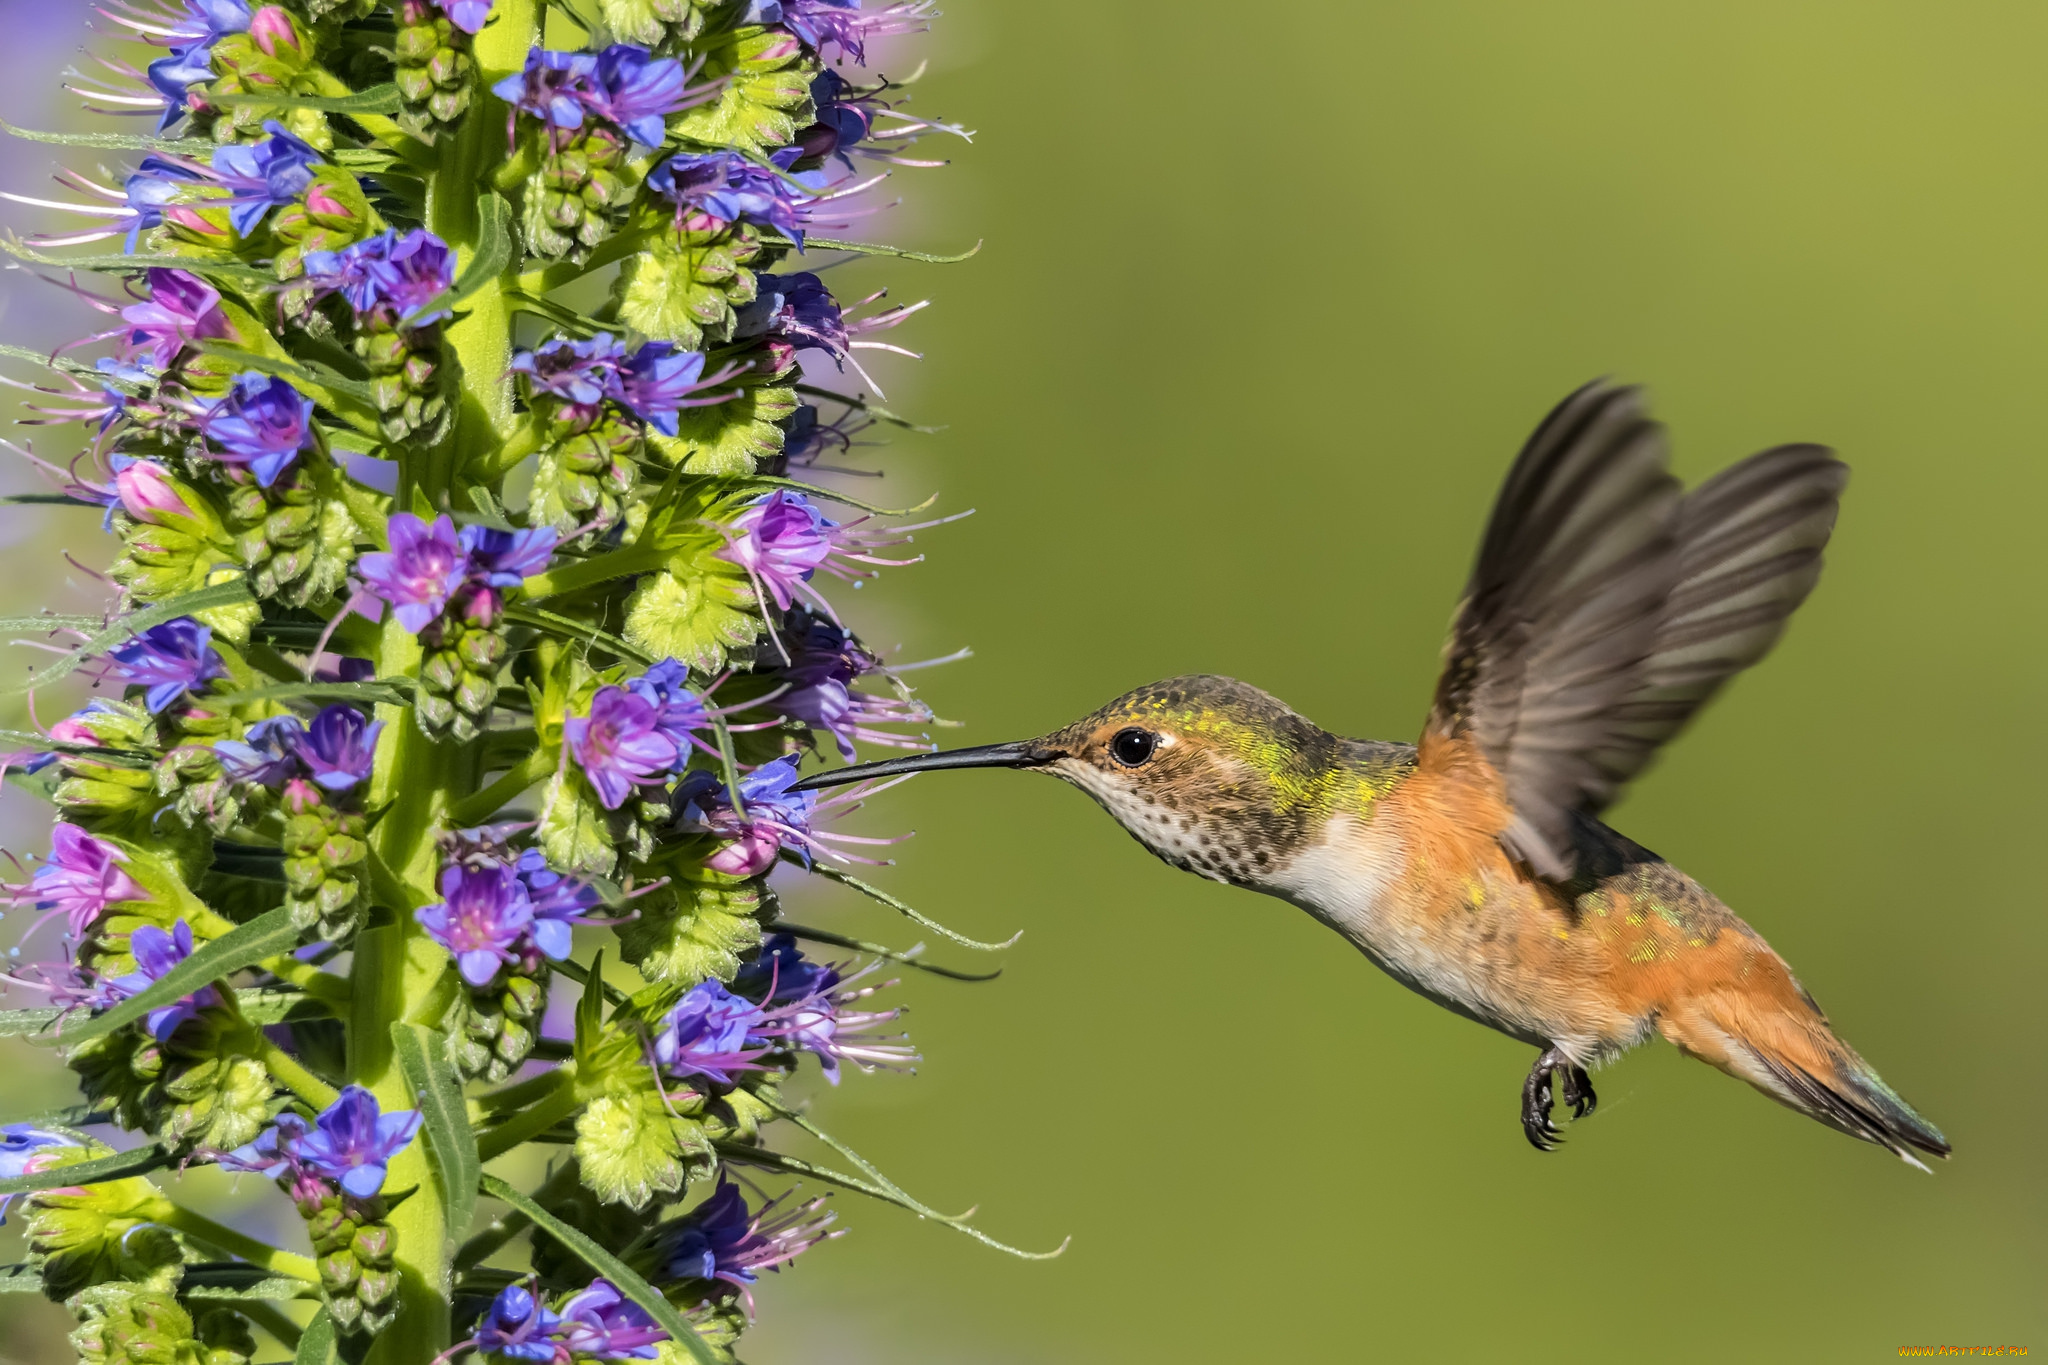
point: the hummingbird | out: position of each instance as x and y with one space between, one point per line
1607 605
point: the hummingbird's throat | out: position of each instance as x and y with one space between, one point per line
1177 830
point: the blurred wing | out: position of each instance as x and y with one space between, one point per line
1562 612
1749 551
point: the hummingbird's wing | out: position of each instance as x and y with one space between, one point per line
1561 613
1605 610
1749 551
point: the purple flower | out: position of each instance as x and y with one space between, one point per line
506 559
264 176
721 1239
841 24
798 309
782 973
619 745
482 917
338 748
266 755
553 87
145 491
155 953
776 817
154 190
420 572
21 1149
180 310
192 40
679 712
467 15
81 877
263 423
389 278
603 1324
713 190
582 373
656 382
710 1033
637 90
352 1144
781 539
517 1327
824 663
559 903
170 660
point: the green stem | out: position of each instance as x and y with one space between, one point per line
195 1224
308 977
523 1093
272 1320
291 1073
476 809
588 573
522 443
528 1123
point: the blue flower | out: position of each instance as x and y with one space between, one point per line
679 712
192 40
267 754
482 918
637 90
553 87
155 953
157 184
420 572
352 1144
656 382
559 903
264 176
583 373
782 973
467 15
798 309
20 1145
517 1327
170 660
339 747
388 278
721 1239
506 559
262 422
710 1034
603 1324
713 190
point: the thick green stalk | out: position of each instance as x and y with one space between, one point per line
400 974
198 1225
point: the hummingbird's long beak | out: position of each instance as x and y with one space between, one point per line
1024 753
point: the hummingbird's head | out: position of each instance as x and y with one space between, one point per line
1209 773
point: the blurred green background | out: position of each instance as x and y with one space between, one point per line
1265 308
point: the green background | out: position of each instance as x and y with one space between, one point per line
1269 298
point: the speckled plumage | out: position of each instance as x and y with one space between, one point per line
1606 607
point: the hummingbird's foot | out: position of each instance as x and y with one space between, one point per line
1543 1135
1577 1091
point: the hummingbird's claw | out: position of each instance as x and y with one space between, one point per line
1576 1090
1543 1135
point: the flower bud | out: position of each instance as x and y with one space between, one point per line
148 494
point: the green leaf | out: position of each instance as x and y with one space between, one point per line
10 624
258 1006
98 1171
124 142
245 945
198 265
607 1265
392 691
876 893
316 1345
21 1278
423 1057
494 245
377 99
878 249
170 609
239 1280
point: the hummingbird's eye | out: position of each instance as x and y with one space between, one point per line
1132 747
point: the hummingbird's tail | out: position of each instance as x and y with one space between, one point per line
1785 1048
